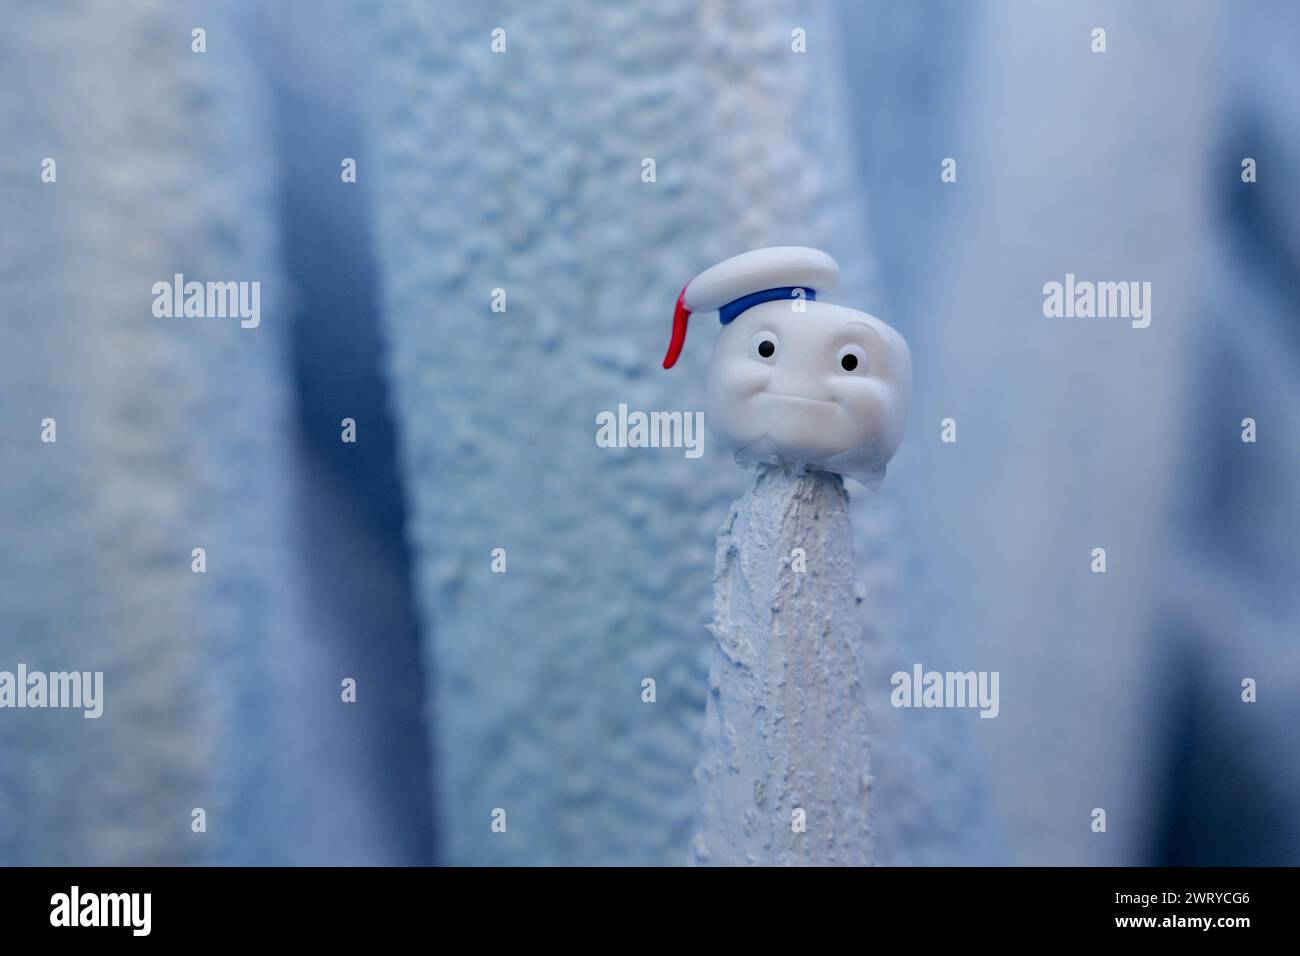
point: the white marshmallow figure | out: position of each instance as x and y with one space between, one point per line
794 380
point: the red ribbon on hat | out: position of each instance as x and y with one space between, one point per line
680 315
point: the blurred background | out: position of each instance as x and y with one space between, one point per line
522 170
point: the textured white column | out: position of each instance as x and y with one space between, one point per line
172 434
785 770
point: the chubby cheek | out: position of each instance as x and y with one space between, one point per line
731 389
744 379
869 403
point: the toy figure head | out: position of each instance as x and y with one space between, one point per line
794 380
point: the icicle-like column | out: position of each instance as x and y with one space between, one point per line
785 771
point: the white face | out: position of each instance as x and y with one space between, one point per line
828 387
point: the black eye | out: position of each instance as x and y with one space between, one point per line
762 346
853 359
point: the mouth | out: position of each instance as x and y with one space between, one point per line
799 398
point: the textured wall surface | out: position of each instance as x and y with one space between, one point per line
1232 609
1119 691
370 783
170 436
522 170
1071 432
785 730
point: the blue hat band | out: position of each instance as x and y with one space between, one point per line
737 306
